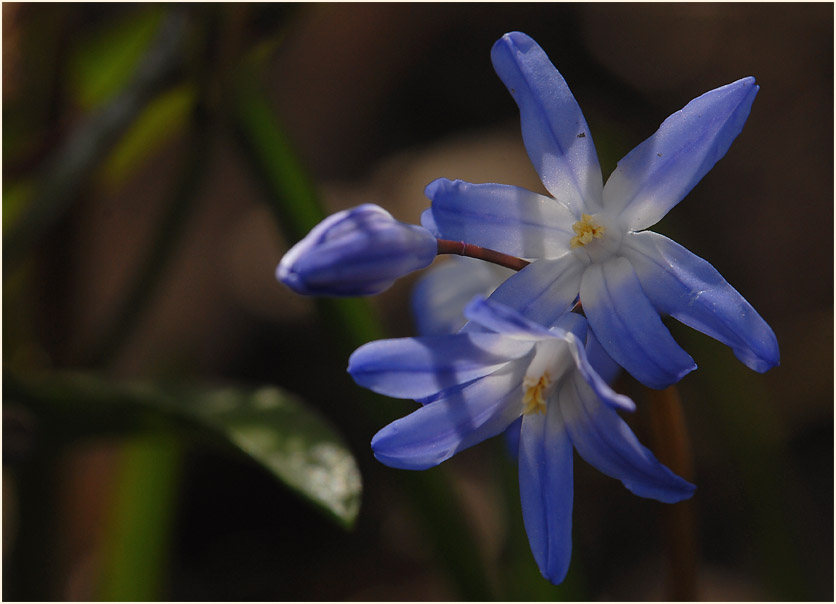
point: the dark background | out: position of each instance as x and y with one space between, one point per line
380 99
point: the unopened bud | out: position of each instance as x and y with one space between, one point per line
357 252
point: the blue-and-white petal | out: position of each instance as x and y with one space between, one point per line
546 490
428 222
554 129
628 327
440 429
657 174
423 366
502 319
606 442
688 288
440 295
508 219
601 362
598 384
544 290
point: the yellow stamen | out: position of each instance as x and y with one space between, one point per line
533 401
585 230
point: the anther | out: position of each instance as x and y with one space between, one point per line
586 230
535 388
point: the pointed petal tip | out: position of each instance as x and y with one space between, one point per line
686 371
760 363
380 448
514 39
356 359
284 275
621 401
765 357
676 491
395 462
556 576
433 188
675 380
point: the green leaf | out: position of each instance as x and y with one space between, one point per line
290 440
163 118
272 427
104 62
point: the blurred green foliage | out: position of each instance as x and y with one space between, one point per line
103 63
119 77
164 117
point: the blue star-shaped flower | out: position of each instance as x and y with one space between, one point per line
503 370
588 241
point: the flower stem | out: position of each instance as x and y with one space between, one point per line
460 248
667 422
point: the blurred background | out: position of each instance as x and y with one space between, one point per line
179 426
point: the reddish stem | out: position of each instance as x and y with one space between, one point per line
460 248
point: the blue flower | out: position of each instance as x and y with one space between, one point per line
502 370
356 252
587 239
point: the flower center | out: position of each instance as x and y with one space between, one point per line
534 400
551 360
597 237
586 229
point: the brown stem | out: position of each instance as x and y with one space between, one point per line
460 248
667 422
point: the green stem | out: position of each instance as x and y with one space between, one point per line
291 197
136 548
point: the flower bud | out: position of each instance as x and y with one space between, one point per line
356 252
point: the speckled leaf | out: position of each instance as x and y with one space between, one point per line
289 439
272 427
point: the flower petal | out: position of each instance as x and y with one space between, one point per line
554 130
601 362
606 442
688 288
628 327
439 430
502 319
657 174
595 381
508 219
546 490
439 297
428 222
543 290
421 367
